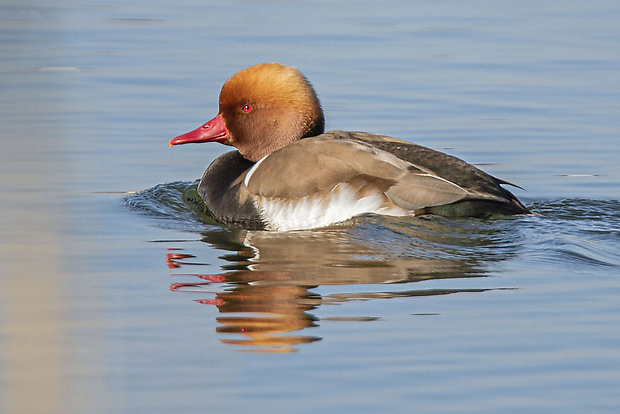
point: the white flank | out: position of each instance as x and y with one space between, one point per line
314 212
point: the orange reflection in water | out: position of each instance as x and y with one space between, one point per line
263 315
264 293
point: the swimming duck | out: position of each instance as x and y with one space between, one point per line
288 174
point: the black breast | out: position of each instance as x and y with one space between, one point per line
221 190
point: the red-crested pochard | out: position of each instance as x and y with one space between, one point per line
289 175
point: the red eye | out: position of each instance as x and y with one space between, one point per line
246 108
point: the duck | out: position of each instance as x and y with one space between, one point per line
288 174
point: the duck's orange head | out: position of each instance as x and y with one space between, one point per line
262 109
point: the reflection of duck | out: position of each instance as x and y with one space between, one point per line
279 181
268 286
266 312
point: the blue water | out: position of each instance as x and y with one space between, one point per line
118 294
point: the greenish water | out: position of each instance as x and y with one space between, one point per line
120 295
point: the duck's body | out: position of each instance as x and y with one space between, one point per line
279 181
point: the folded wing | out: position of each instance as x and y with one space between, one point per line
318 164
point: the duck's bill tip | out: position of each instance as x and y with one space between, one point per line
212 131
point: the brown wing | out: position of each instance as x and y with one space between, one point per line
317 164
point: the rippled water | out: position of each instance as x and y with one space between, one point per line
120 294
516 312
272 287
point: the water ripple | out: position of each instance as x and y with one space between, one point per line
576 231
263 291
173 205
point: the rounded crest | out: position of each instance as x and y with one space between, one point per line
267 106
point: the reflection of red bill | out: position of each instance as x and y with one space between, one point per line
189 286
209 279
213 278
177 256
216 301
172 259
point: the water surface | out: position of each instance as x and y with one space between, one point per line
120 295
